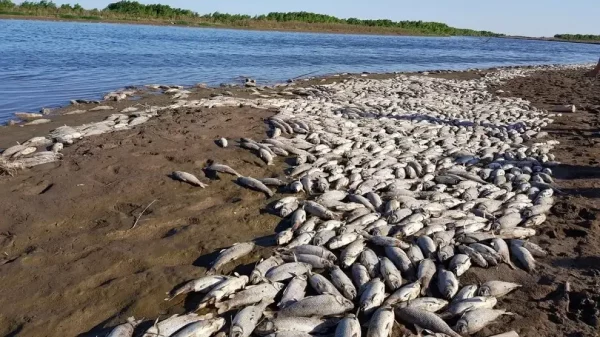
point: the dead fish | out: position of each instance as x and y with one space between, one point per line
245 320
342 282
348 327
466 292
458 308
322 285
273 182
319 210
502 248
533 248
265 156
284 237
169 326
407 293
372 296
235 252
287 271
307 325
430 304
223 289
524 257
316 262
381 323
351 253
320 305
222 142
360 276
254 184
187 178
126 329
426 320
222 169
261 269
401 260
200 285
447 283
200 328
294 292
477 319
391 274
425 274
250 295
315 250
497 288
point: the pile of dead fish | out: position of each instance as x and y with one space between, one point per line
401 186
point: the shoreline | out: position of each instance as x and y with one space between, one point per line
83 244
302 81
278 29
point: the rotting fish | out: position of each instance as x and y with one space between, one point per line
187 178
235 252
126 329
320 305
255 184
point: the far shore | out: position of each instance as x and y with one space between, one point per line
344 29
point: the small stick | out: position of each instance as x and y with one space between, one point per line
142 213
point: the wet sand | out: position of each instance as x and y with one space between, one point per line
72 265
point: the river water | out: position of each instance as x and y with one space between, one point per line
45 64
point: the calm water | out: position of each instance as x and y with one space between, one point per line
45 64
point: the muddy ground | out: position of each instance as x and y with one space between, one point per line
72 264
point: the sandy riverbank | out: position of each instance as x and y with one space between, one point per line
73 266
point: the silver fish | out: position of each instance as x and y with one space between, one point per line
188 178
477 319
126 329
426 320
294 292
203 284
320 305
381 323
343 283
233 253
254 184
348 327
245 320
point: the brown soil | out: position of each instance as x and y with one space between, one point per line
73 266
71 260
572 234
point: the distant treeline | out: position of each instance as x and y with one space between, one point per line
135 11
578 37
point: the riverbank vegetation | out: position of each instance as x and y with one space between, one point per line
577 37
133 11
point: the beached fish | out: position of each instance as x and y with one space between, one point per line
497 288
188 178
295 291
200 328
254 184
245 321
232 253
203 284
250 295
320 306
222 169
425 319
126 329
348 327
261 269
474 320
